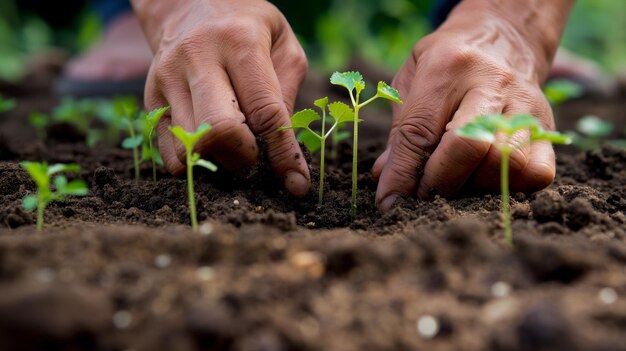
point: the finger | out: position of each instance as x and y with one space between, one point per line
230 142
525 173
260 98
290 65
456 158
154 98
431 102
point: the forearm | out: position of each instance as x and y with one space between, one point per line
539 22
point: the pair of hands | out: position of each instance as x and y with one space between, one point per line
237 65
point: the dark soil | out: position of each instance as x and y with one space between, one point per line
120 269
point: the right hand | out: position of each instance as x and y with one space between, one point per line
234 64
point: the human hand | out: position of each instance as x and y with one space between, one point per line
234 64
479 62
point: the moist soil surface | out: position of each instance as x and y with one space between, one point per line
120 269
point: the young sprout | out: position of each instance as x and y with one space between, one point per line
558 91
129 110
42 174
338 111
7 104
353 82
190 140
150 121
486 127
39 121
77 113
592 130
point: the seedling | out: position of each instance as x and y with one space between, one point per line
129 111
190 140
489 128
39 121
353 82
150 121
338 111
592 130
77 113
42 174
7 104
558 91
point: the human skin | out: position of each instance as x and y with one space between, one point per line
490 56
234 64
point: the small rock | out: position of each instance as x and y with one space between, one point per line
311 225
206 229
163 261
427 327
258 209
607 296
500 289
580 213
122 319
308 261
547 206
236 202
205 274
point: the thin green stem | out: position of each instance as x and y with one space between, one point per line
355 149
368 101
40 208
322 156
192 199
504 184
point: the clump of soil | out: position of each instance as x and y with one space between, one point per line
120 269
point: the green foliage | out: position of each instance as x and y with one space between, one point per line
189 140
558 91
42 174
7 104
150 121
485 128
594 127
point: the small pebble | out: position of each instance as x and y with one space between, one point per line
122 319
45 275
205 274
427 327
500 289
308 261
206 229
258 209
163 261
236 202
607 296
310 225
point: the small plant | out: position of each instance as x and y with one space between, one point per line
340 113
150 121
41 174
129 114
592 131
40 122
190 140
485 128
353 82
7 104
558 91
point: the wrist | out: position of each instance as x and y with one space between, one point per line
536 24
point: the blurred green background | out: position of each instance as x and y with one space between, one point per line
332 31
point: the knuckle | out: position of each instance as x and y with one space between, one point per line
239 33
470 149
266 115
417 136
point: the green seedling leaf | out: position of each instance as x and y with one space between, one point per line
75 187
304 118
483 128
29 202
554 137
594 127
190 139
341 112
60 167
348 80
520 122
7 104
560 90
39 173
132 142
321 103
342 135
310 140
206 164
153 117
385 91
125 106
60 182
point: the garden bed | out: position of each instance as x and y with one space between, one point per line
120 269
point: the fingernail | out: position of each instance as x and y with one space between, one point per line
296 184
388 202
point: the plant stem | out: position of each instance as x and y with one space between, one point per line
40 208
152 158
192 200
355 149
131 130
322 155
504 184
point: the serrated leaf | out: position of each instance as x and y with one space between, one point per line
385 91
304 118
206 164
132 142
348 80
594 127
29 202
310 140
321 103
341 112
190 139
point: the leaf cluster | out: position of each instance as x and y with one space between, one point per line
7 104
42 174
189 140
